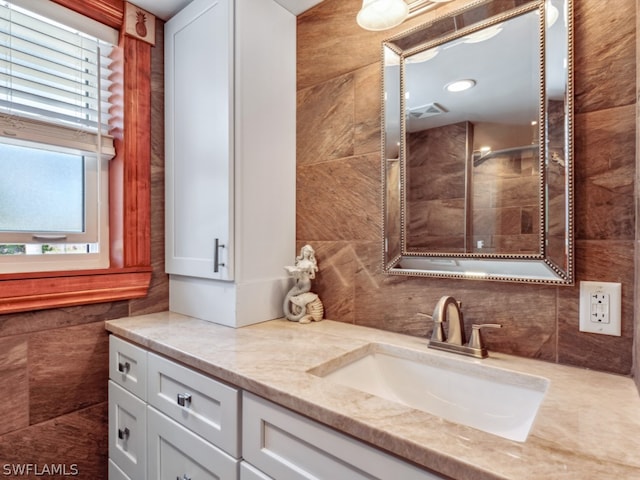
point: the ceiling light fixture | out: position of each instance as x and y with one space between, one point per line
376 15
484 34
551 14
460 85
423 56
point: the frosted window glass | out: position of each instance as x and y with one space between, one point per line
41 191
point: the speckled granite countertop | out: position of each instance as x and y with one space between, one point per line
588 426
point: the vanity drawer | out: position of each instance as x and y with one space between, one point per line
127 432
288 446
200 403
249 472
128 366
115 473
175 452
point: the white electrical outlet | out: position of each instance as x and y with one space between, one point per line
600 308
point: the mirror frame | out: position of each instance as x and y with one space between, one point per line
529 268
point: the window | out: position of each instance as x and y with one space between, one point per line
54 142
130 270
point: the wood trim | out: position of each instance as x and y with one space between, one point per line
21 295
130 190
137 152
68 273
109 12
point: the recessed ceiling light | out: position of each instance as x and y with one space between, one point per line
460 85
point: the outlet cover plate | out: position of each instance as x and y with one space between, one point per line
600 308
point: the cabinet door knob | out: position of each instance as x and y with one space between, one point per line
184 399
124 367
123 434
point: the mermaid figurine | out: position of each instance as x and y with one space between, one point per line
300 304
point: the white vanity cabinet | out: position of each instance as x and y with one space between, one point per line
249 472
127 410
128 366
182 425
177 453
188 425
207 407
287 446
230 101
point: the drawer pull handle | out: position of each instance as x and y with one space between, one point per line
184 399
124 367
216 254
184 477
123 434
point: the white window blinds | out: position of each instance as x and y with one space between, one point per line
54 83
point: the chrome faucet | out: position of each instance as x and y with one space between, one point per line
449 311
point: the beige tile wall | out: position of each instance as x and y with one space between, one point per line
339 205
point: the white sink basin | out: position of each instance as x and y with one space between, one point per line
495 400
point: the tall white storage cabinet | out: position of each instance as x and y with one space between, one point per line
230 106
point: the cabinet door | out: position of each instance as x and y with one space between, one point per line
177 453
127 432
198 140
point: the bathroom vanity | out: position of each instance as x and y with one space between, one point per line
167 420
253 399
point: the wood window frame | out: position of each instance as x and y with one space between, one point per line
129 274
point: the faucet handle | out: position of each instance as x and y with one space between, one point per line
476 338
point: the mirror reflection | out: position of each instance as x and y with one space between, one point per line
477 144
